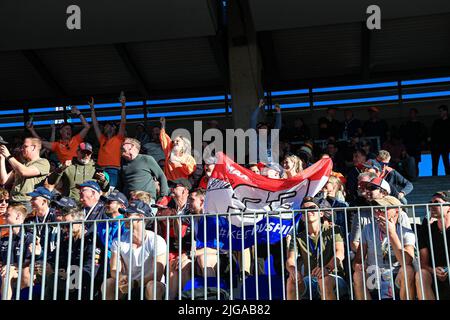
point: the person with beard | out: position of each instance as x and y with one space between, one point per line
78 170
179 163
110 143
24 177
66 147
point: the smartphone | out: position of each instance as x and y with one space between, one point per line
122 95
445 269
31 118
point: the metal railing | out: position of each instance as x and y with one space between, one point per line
339 253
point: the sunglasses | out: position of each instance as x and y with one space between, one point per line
372 188
311 207
4 200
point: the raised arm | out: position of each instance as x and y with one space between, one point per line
74 110
166 142
278 122
45 144
123 117
53 135
26 172
98 133
255 114
5 177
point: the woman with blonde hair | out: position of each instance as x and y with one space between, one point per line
292 165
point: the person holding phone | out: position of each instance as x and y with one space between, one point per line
110 142
75 171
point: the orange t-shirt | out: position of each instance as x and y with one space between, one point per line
3 231
67 151
109 152
170 170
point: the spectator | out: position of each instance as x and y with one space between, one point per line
82 254
359 158
180 228
321 250
179 162
352 126
253 167
436 248
4 200
329 126
153 148
66 147
141 134
263 129
43 213
400 187
361 216
24 177
210 164
292 166
440 141
92 207
139 170
62 206
272 170
384 242
414 135
76 171
145 250
110 143
367 146
337 156
299 132
114 202
374 127
16 215
373 166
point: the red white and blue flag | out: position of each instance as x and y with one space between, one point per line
233 190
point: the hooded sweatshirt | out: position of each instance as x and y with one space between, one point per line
75 174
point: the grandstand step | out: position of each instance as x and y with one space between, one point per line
425 187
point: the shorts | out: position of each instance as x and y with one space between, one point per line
386 286
341 287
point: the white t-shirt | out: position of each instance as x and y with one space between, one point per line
148 249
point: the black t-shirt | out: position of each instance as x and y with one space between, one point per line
438 245
16 248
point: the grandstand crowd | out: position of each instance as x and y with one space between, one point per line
69 180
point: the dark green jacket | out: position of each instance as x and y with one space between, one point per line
73 175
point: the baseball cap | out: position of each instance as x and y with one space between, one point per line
118 196
66 203
85 146
319 201
211 160
137 207
372 164
388 201
89 184
41 192
381 183
184 182
274 166
2 141
444 195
